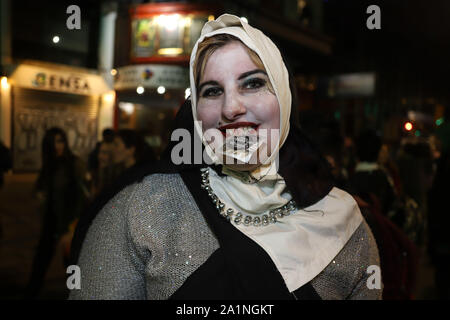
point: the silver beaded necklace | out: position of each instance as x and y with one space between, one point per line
238 217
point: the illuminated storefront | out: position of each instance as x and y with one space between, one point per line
166 32
148 97
155 81
44 95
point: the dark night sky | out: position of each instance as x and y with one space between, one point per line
34 23
413 45
420 29
414 39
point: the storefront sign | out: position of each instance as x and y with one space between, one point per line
152 76
348 85
63 80
57 82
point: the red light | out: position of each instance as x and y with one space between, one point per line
408 126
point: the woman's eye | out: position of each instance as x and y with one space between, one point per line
254 83
212 92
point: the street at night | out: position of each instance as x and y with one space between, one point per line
185 150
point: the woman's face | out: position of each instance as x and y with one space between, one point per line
234 99
105 154
59 145
121 152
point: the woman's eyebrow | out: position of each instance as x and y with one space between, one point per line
212 82
249 73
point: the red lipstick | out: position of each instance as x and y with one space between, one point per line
235 125
238 125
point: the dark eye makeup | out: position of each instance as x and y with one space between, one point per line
248 81
211 92
254 83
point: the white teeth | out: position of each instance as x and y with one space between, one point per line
241 131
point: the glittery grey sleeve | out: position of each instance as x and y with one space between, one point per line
346 276
110 265
368 253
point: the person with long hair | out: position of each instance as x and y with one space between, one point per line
243 207
62 193
102 175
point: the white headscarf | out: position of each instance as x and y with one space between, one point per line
304 243
275 68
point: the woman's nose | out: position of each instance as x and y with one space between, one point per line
233 106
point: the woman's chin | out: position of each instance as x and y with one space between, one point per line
243 167
237 165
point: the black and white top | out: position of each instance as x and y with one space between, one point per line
154 241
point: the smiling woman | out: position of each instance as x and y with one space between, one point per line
275 228
234 97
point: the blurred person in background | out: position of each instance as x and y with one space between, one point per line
388 165
93 160
332 144
405 212
438 222
61 189
376 197
130 150
102 177
415 165
435 146
102 173
416 169
368 178
348 158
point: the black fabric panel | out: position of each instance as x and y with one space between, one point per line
207 282
307 292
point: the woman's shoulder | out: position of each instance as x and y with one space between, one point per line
162 178
361 245
161 186
152 188
139 205
153 209
152 194
346 277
